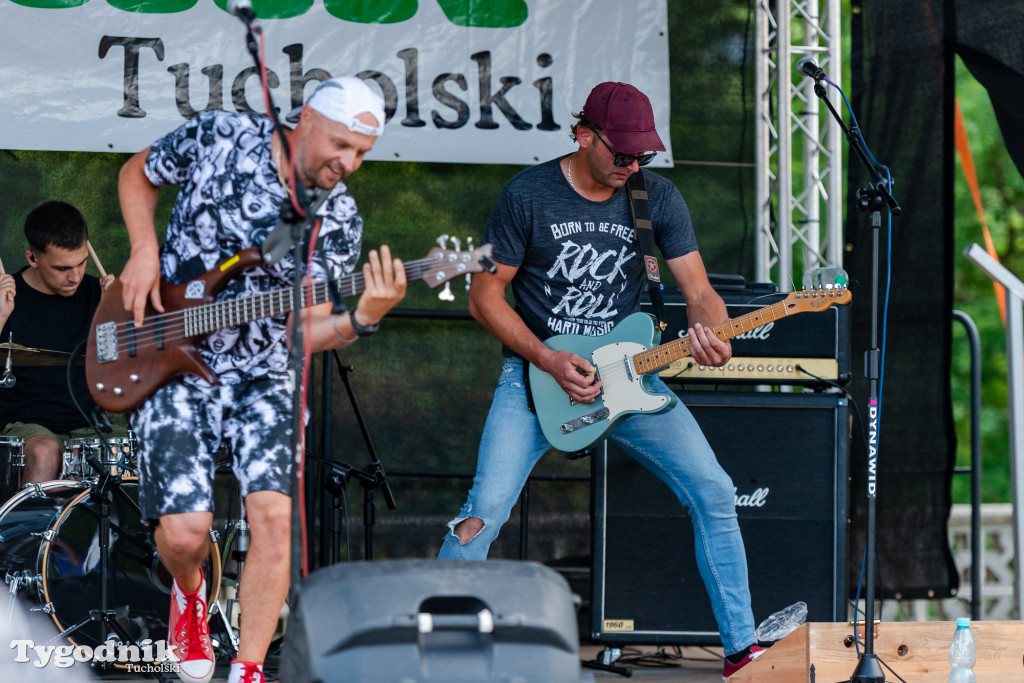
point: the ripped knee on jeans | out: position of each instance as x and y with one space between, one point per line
467 529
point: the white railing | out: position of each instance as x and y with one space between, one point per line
1015 403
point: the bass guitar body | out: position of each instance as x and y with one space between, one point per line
124 366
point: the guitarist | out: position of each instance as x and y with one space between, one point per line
233 176
563 239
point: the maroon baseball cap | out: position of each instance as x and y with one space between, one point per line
625 115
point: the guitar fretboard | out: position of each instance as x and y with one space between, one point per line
207 318
662 356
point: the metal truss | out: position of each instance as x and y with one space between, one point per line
798 144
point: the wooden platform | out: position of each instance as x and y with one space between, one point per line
917 651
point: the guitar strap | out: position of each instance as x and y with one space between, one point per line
636 188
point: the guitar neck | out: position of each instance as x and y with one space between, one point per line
662 356
209 318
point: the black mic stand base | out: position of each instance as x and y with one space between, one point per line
868 670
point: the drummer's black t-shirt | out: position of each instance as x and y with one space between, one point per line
55 323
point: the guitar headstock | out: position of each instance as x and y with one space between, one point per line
817 299
443 265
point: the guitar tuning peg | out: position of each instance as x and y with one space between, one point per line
442 241
456 243
446 293
469 247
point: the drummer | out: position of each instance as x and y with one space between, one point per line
49 304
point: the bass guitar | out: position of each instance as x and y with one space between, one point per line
125 365
625 358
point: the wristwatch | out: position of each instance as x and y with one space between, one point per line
361 330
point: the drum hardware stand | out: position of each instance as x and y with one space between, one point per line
107 616
18 580
240 538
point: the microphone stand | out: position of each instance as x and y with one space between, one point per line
297 228
372 477
874 198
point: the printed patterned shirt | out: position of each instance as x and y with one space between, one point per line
229 200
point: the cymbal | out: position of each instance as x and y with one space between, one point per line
23 355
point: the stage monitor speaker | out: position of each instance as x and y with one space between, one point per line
787 455
432 620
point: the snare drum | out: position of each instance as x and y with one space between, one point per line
49 547
120 459
12 465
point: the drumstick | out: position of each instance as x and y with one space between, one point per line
10 297
96 259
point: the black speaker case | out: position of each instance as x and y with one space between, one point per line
795 478
364 621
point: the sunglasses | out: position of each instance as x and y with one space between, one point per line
622 160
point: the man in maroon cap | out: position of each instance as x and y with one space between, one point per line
564 240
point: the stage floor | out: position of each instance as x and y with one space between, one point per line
696 665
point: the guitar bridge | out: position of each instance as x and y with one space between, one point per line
106 342
584 421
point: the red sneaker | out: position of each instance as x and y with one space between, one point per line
245 672
190 634
731 668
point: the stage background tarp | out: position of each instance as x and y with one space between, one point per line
902 66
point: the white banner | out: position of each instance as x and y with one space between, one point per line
469 82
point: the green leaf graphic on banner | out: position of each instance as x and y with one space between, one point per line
372 11
153 6
485 13
274 9
50 4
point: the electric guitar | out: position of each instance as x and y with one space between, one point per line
625 358
125 365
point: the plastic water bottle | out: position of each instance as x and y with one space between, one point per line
782 623
961 653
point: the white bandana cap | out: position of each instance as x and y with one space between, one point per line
342 99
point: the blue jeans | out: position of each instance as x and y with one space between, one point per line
669 444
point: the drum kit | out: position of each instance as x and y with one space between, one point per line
52 546
76 549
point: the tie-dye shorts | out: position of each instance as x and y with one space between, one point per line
181 430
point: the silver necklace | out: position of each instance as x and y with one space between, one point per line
568 173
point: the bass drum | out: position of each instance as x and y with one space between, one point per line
49 544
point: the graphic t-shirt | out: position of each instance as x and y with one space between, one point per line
580 269
230 199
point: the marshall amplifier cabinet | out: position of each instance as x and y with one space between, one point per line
787 455
795 350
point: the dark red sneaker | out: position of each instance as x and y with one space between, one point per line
731 668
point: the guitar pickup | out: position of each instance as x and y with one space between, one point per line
106 342
584 421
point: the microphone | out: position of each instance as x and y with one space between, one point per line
806 66
9 380
243 10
